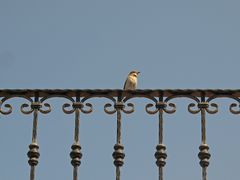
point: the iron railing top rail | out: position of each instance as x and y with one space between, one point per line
115 92
202 103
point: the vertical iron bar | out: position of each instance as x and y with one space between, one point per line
118 173
160 154
203 125
119 140
118 153
75 172
160 132
204 173
33 152
203 131
35 125
204 154
160 173
119 127
34 140
32 174
77 125
76 139
76 154
160 139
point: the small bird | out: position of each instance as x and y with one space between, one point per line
131 81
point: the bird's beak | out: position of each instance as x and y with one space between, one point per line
138 72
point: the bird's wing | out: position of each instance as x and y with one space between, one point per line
124 87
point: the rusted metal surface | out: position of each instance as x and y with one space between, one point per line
161 104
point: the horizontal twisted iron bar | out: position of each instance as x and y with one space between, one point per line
115 92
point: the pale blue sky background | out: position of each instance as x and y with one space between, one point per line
94 44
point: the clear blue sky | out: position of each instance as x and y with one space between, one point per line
94 44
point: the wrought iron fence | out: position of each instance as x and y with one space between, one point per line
161 103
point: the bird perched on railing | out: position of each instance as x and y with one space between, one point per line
131 81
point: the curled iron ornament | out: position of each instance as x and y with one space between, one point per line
211 109
118 105
161 105
48 106
196 107
232 106
172 110
232 110
89 110
149 105
70 108
191 109
67 111
47 110
8 107
106 106
26 108
129 111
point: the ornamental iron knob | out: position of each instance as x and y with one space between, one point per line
161 155
204 155
118 155
33 154
76 154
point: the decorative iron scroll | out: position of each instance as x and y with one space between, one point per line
202 102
